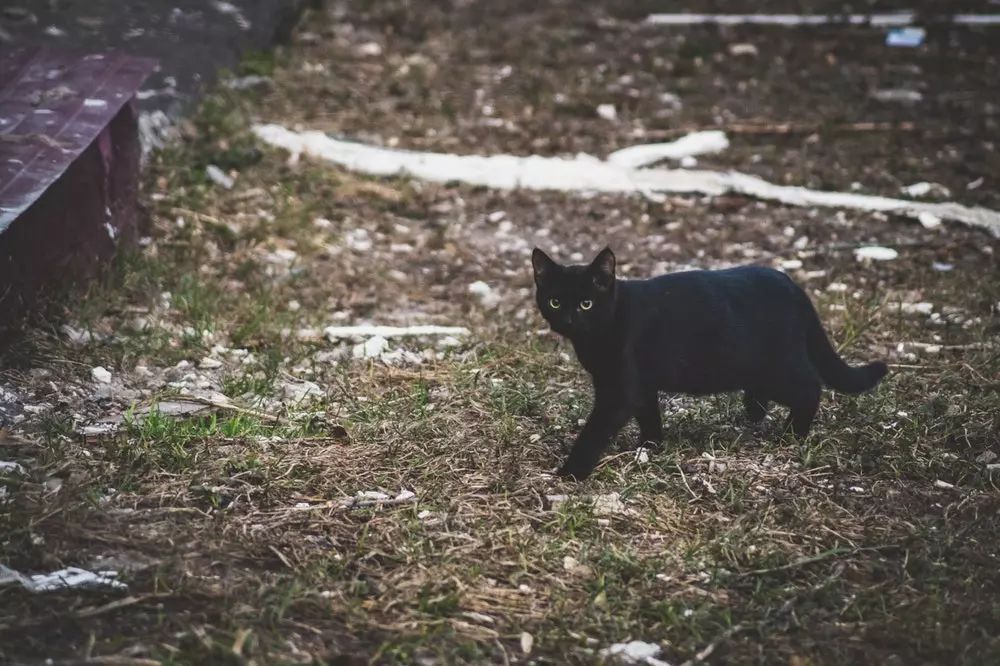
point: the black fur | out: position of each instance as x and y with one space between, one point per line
747 329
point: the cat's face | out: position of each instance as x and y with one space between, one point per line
578 300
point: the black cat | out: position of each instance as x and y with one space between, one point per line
747 329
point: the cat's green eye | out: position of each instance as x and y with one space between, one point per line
554 303
586 305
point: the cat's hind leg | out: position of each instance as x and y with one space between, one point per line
755 405
799 389
650 420
803 408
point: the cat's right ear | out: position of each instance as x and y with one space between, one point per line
543 265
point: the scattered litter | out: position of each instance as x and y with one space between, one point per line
696 143
366 498
837 287
101 375
373 347
556 500
68 577
902 18
487 296
929 220
358 240
175 408
642 455
923 189
635 652
98 430
742 50
942 267
585 173
975 184
572 565
922 307
527 642
247 82
230 9
364 331
611 503
943 484
219 177
909 37
7 467
369 49
296 392
875 253
904 95
671 100
607 111
986 457
791 264
77 336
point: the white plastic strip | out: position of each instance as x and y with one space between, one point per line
337 332
690 145
902 18
590 174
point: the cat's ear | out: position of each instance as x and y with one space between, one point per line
543 265
603 269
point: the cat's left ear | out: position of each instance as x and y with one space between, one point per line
603 269
543 266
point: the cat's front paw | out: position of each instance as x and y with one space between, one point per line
574 470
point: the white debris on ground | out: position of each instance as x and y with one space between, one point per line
366 498
101 375
924 189
527 642
875 253
607 111
219 177
929 220
371 330
77 336
301 391
901 95
371 342
69 577
900 19
635 652
488 297
609 504
7 467
373 347
586 173
690 145
573 566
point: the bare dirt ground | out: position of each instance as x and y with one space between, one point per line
244 532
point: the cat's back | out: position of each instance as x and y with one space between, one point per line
718 294
739 279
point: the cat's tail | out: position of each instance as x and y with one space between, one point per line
832 369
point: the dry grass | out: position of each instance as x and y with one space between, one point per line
236 530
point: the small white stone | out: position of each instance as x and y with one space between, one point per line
209 363
929 220
370 49
219 177
607 111
101 375
875 253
